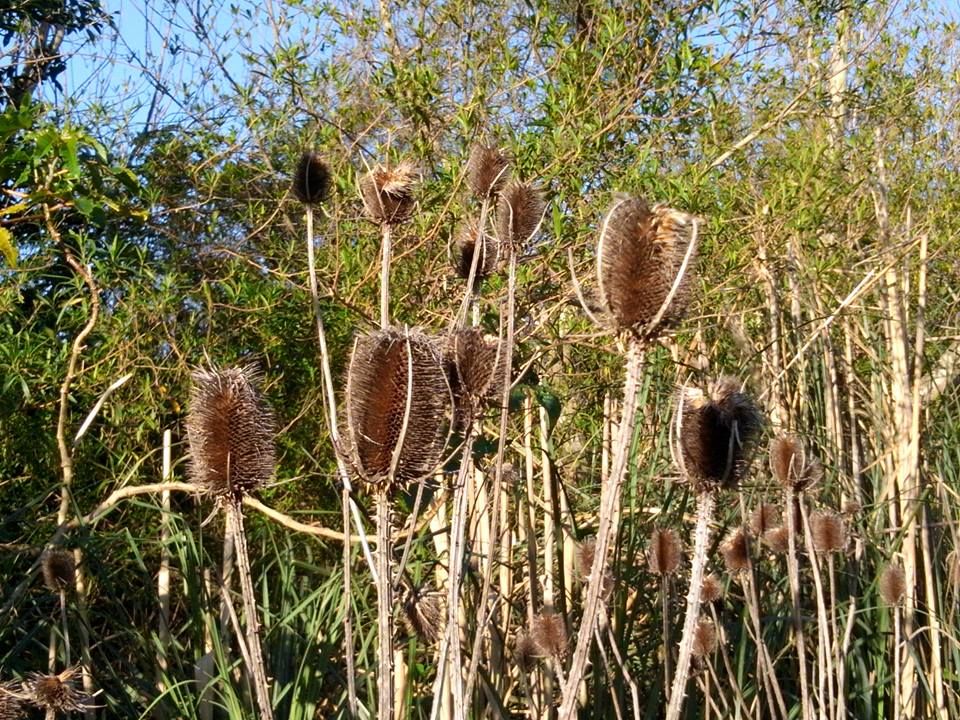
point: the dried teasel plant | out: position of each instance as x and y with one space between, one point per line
11 702
711 590
388 193
791 466
519 213
475 363
311 180
525 651
892 584
475 249
585 551
735 550
422 613
488 170
664 552
704 638
550 635
828 531
59 569
56 693
777 539
763 518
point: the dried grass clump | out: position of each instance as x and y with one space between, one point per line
790 465
525 652
470 239
423 613
59 569
311 181
519 212
828 531
704 638
231 431
664 552
892 584
387 193
736 552
639 255
487 170
711 590
56 692
777 539
764 517
397 401
11 702
716 434
550 635
476 369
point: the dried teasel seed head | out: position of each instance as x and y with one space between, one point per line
487 170
717 431
828 531
764 517
790 464
953 570
476 363
397 403
231 431
777 539
519 212
59 569
664 552
704 637
11 702
892 584
585 554
711 590
525 652
387 193
550 635
851 508
422 613
640 251
56 692
311 181
471 239
736 551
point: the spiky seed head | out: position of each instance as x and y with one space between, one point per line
711 590
892 584
471 239
525 651
586 551
736 551
476 363
397 405
704 637
639 254
422 613
790 464
387 193
550 635
717 434
11 702
664 552
764 517
487 170
311 181
777 539
59 569
231 432
828 531
851 508
518 215
56 692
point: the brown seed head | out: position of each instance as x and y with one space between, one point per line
586 551
397 403
56 692
704 637
59 570
953 570
717 434
469 240
828 531
892 584
711 590
311 181
387 193
790 465
525 651
851 508
777 539
764 517
231 431
487 170
664 552
550 635
735 551
519 212
11 702
476 365
422 613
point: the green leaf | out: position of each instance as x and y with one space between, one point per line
7 247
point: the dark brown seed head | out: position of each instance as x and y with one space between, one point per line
311 181
735 551
518 215
11 702
231 431
487 170
664 552
397 403
55 692
550 635
476 364
777 539
717 433
470 240
387 193
586 551
704 637
790 464
639 254
711 590
828 531
59 570
892 584
423 613
525 652
764 517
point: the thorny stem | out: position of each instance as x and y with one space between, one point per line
478 249
384 609
793 573
385 247
667 649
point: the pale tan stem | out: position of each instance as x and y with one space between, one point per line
793 574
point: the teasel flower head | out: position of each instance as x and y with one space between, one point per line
422 613
790 465
712 589
11 702
519 212
56 692
550 635
311 181
764 517
525 651
664 552
397 405
476 364
59 569
387 193
488 170
736 551
828 531
585 553
777 539
471 239
892 584
640 251
704 637
231 432
716 434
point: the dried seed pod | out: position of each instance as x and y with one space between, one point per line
422 613
487 170
711 590
311 181
735 551
550 635
476 364
790 465
764 517
828 531
56 692
231 430
525 651
397 403
716 434
518 215
11 702
639 254
59 569
777 539
471 239
387 193
664 552
892 584
704 637
586 551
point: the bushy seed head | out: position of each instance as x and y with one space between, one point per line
422 613
828 531
311 181
231 431
387 193
790 464
711 590
487 170
664 552
525 652
56 692
704 637
11 702
777 539
892 584
764 517
735 551
550 635
586 551
476 363
518 215
471 239
59 570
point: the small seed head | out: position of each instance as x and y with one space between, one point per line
487 170
471 239
550 635
735 551
422 613
311 181
525 652
476 363
11 702
518 215
704 637
892 584
56 692
664 552
387 193
828 531
59 569
764 517
777 539
711 590
790 465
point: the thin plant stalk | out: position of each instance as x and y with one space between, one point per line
825 665
386 248
666 625
384 609
468 294
793 574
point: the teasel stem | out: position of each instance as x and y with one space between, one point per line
469 294
793 573
667 648
256 665
66 628
742 709
386 249
839 665
163 575
384 608
824 643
